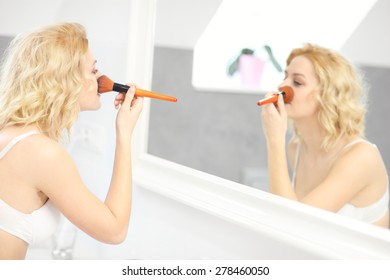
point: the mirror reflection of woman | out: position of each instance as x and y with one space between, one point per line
333 166
48 77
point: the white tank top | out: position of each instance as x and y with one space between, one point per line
34 227
369 214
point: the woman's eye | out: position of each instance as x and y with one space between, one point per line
296 83
95 71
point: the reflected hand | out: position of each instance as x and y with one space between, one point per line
274 120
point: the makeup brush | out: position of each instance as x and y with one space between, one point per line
105 84
286 91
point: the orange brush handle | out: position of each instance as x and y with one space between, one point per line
105 84
287 93
271 99
145 93
150 94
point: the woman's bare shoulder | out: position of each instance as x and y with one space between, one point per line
45 157
362 151
363 161
42 147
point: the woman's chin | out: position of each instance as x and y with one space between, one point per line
91 107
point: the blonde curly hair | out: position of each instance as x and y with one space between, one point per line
342 93
42 77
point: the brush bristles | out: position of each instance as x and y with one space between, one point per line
286 91
289 94
105 84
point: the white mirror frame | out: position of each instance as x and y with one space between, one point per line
312 230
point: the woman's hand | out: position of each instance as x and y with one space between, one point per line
130 107
274 120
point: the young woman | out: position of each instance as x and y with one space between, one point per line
48 77
334 167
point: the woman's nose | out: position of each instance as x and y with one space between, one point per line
99 74
283 84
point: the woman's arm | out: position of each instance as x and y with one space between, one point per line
274 122
58 177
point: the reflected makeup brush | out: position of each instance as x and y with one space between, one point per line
286 91
105 84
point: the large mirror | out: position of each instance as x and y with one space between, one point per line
218 130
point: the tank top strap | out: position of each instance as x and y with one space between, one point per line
14 141
353 142
297 152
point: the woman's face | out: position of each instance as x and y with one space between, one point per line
90 98
301 77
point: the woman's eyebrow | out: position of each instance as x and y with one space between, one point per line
295 74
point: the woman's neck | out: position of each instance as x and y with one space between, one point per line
311 134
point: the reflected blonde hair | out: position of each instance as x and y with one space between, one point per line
341 93
42 77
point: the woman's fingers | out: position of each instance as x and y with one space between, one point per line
121 97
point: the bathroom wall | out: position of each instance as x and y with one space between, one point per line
220 133
4 41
